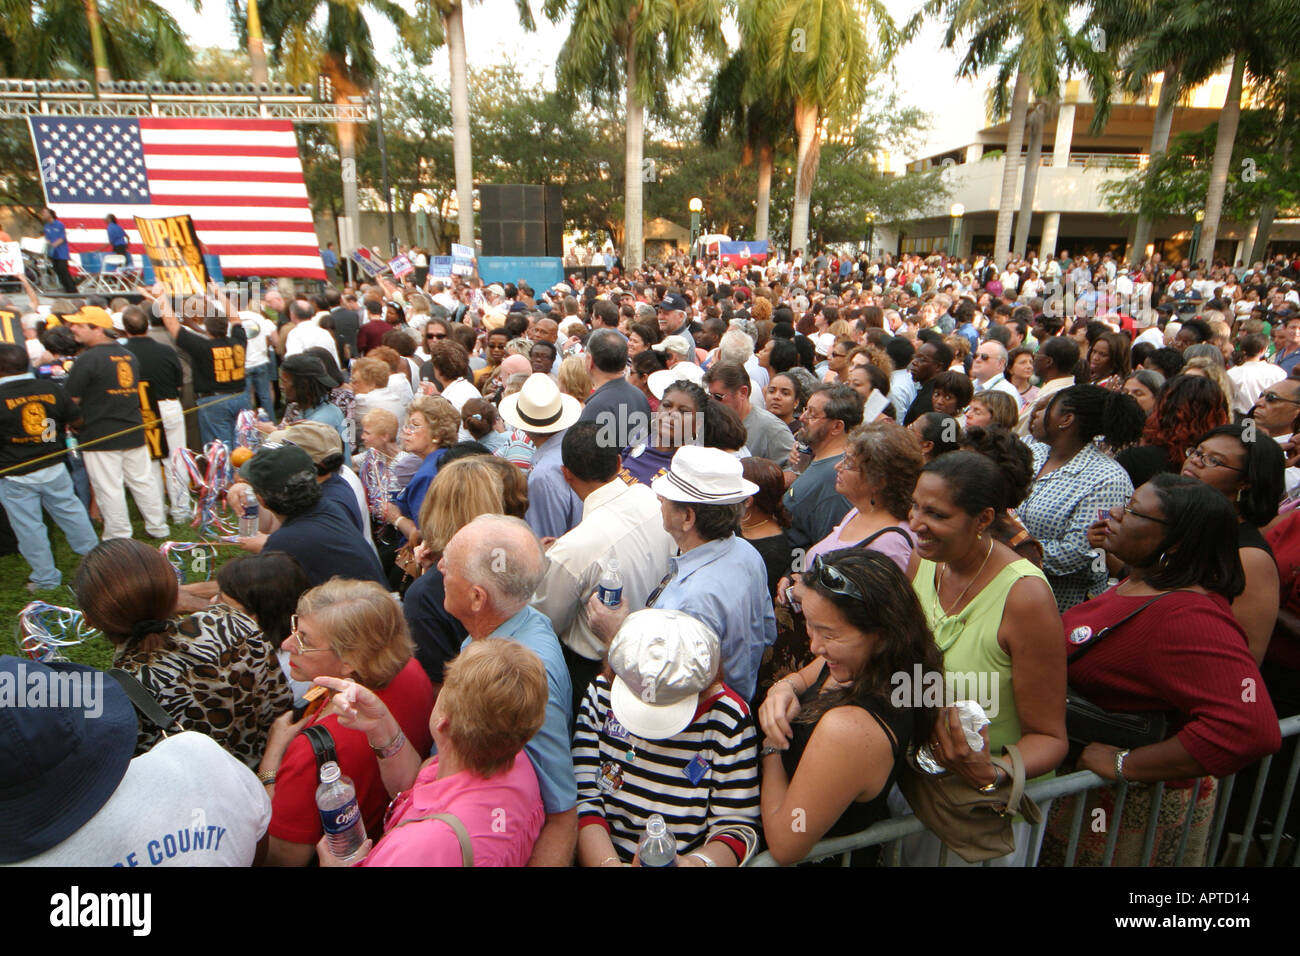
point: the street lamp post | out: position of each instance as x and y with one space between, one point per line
1199 216
954 230
696 206
871 228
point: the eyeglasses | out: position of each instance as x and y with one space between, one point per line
434 335
1275 397
985 357
297 638
411 426
1128 510
1211 461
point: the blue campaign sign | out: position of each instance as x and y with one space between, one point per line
462 259
540 272
440 267
211 261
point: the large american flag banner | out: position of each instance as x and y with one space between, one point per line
241 181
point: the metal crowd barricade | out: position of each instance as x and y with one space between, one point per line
889 833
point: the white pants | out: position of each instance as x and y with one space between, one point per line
111 473
178 486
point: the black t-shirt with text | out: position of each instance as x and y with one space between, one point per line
31 411
160 366
218 363
106 380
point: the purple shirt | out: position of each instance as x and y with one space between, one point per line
891 544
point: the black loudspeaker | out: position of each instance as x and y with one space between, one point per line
517 220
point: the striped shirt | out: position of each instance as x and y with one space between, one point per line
703 781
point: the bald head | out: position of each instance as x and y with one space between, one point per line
547 330
501 555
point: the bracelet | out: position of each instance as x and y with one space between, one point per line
1119 765
768 751
392 748
705 859
999 778
609 859
789 679
266 777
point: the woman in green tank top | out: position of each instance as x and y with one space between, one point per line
994 618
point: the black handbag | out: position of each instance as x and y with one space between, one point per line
1086 723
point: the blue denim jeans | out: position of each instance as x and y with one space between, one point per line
259 387
23 500
217 414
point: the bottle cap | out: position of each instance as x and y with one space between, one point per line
329 772
655 826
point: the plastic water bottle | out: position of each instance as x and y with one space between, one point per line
248 521
71 442
657 848
609 589
336 799
804 452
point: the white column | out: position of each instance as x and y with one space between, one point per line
1060 157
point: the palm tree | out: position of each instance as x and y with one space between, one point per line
330 38
817 55
1202 36
1032 41
452 17
759 125
60 38
638 46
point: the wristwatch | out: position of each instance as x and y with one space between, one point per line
1119 765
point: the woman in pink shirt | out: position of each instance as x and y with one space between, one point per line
476 801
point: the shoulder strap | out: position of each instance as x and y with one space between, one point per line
866 541
322 745
453 821
144 701
1106 630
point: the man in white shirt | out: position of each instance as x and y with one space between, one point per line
305 333
1253 376
1276 413
988 369
620 522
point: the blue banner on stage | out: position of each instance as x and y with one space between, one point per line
540 272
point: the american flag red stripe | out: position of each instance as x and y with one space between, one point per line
240 180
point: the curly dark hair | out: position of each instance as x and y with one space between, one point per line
1011 455
1098 411
888 609
890 456
1190 406
296 496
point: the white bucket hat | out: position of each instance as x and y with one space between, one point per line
704 476
540 407
659 381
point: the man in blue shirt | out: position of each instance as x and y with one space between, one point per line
490 569
718 578
56 236
117 240
543 413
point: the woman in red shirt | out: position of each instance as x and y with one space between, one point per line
1184 655
353 630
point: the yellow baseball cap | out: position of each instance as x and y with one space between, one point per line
90 315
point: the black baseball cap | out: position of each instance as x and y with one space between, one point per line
274 466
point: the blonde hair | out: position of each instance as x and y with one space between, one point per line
574 379
840 329
1212 370
514 485
461 491
519 346
364 626
441 416
372 371
380 420
761 310
493 696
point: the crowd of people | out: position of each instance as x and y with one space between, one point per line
544 565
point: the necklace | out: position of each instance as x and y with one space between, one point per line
944 570
750 525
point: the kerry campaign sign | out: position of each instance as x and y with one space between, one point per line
743 254
172 246
462 260
11 259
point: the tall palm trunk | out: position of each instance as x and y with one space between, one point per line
1268 211
1035 121
1011 169
1228 120
807 122
256 49
97 50
454 27
1164 120
632 209
766 160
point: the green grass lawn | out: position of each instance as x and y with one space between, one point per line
14 596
